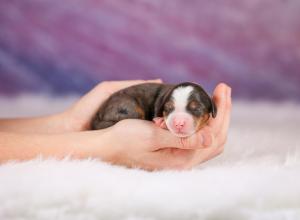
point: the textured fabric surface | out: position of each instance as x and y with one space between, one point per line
257 177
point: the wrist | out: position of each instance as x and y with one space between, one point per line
95 144
75 120
59 123
76 145
67 122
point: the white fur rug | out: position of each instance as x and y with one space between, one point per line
257 177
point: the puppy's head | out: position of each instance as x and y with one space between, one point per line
186 108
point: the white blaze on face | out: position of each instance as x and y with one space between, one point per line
181 96
180 122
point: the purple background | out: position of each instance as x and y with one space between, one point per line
67 46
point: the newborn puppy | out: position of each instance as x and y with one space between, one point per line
183 108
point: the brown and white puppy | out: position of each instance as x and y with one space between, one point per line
183 108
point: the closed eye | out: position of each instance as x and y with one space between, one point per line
169 106
195 108
194 105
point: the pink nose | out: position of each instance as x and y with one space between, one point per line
179 123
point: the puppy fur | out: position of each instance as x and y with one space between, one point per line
184 106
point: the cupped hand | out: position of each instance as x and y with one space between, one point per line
140 143
79 116
150 147
145 145
216 132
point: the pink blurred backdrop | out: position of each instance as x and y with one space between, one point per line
68 46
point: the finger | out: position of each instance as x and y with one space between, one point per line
208 137
219 97
222 136
169 158
203 155
165 139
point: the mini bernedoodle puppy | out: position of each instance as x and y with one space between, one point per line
183 108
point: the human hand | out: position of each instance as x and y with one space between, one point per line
216 131
214 135
75 118
142 144
79 116
147 146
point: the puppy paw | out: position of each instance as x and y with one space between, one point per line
160 122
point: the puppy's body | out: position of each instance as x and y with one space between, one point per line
184 107
135 102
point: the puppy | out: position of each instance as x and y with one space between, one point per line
183 108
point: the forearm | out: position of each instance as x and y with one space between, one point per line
20 147
45 124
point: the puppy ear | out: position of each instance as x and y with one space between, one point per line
161 100
213 109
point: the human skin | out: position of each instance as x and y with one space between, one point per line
144 145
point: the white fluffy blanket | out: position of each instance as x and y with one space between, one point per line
257 177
